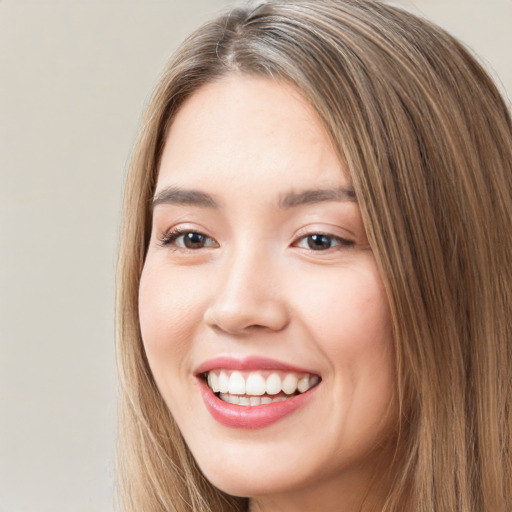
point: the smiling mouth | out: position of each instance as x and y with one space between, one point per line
258 388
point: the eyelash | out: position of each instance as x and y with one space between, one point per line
340 242
170 237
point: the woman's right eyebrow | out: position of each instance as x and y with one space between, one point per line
177 195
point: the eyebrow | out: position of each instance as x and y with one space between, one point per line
176 195
291 199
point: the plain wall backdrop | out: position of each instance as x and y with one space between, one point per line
74 78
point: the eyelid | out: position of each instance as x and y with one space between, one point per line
331 231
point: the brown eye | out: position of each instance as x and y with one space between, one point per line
194 240
322 242
319 242
187 240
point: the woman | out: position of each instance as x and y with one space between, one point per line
315 293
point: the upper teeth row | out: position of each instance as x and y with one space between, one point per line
255 384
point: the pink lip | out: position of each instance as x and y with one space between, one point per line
247 364
249 417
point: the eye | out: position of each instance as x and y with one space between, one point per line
322 242
187 240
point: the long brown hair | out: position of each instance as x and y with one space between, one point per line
427 141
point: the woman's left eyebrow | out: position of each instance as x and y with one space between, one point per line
293 198
177 195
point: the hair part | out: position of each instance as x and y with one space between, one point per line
427 142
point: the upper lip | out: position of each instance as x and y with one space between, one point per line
250 363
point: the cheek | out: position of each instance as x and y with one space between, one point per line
169 310
363 321
348 314
350 321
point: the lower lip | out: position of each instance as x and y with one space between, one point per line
251 417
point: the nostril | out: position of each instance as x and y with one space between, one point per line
231 329
246 318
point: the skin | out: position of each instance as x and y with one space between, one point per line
254 286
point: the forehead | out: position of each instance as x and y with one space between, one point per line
242 129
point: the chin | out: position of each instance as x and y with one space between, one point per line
248 483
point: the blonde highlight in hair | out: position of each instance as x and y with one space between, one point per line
427 141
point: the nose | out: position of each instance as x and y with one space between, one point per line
248 296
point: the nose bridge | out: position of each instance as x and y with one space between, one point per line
248 291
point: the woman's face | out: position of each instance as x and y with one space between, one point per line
259 283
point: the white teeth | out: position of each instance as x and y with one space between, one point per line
255 385
233 385
223 382
303 384
232 399
250 401
313 380
213 382
273 384
290 383
236 384
244 400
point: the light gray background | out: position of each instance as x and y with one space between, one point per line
74 78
